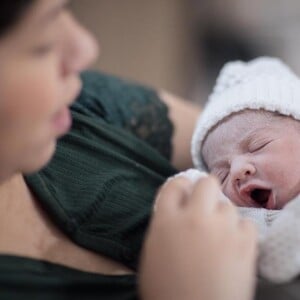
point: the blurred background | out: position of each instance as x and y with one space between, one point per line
180 45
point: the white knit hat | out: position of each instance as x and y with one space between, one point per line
263 83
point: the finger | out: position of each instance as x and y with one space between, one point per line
249 234
193 174
172 194
205 195
229 211
248 227
224 198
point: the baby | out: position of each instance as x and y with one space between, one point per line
248 136
249 133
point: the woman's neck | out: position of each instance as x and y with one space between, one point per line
13 195
22 222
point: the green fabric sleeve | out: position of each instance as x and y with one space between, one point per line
129 106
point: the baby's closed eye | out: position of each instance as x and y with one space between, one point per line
221 175
258 144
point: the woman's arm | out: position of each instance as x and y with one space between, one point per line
183 115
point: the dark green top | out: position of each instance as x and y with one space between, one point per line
100 185
99 189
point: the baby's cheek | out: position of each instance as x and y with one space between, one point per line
228 193
278 178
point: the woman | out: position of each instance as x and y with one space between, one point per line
74 227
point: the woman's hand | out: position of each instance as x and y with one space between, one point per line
197 247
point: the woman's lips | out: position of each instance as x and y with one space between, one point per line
62 121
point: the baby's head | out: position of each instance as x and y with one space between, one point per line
249 133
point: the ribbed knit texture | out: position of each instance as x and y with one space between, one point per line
100 185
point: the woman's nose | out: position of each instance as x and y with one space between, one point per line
241 170
80 48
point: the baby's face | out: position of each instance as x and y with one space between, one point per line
256 158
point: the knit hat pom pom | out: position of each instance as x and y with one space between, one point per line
238 72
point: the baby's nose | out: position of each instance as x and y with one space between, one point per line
241 170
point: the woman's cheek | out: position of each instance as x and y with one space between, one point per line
30 98
29 92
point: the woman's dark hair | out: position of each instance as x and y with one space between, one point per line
11 11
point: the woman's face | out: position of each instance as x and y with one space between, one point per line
256 159
40 62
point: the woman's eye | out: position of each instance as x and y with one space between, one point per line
44 49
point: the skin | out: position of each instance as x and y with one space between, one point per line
194 212
258 150
39 78
41 60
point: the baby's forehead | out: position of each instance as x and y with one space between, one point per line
249 116
253 119
239 126
239 123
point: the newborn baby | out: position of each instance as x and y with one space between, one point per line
256 156
249 137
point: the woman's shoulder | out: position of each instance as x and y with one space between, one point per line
111 97
127 105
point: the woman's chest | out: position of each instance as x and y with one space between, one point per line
28 231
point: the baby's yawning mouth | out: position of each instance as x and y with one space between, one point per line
261 196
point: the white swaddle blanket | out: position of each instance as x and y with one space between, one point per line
279 236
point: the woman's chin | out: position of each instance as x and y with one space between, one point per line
41 159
